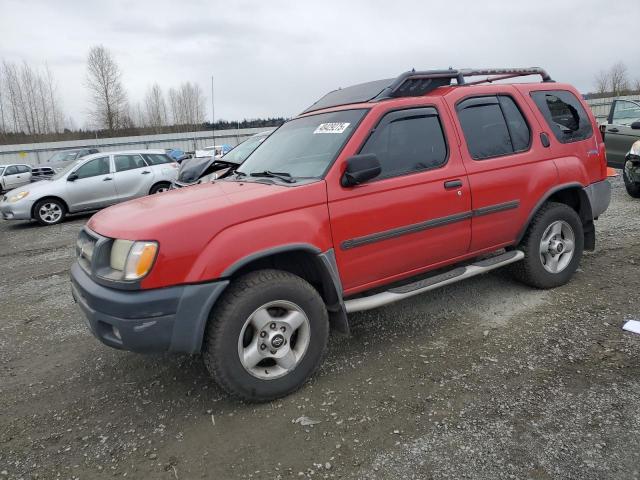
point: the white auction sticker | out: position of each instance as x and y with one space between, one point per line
335 127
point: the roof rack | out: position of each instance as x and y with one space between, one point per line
415 84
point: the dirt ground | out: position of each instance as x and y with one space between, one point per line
485 379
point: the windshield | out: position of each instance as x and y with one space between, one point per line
63 172
63 156
306 146
242 151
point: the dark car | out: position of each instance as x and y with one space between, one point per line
204 169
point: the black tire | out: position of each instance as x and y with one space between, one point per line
56 206
226 322
633 188
159 187
531 270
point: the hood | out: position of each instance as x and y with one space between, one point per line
199 212
37 189
191 169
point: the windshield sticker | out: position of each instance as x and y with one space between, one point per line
335 127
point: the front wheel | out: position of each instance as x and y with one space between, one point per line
267 335
49 211
159 188
633 188
552 246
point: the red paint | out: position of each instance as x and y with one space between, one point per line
203 230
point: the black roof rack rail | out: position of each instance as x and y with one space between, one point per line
416 84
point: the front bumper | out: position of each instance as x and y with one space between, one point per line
599 194
169 319
20 210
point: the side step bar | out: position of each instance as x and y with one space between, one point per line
431 283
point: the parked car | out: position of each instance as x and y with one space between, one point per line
216 151
94 182
177 154
58 161
376 193
14 175
621 131
207 169
631 170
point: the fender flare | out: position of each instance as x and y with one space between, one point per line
326 267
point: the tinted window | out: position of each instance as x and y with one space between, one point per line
484 127
564 115
408 141
625 113
97 166
516 124
157 158
23 169
128 162
12 170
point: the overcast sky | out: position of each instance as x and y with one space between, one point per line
274 58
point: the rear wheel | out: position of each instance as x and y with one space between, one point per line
159 188
552 246
633 188
267 335
49 211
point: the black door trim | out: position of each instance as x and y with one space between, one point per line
419 227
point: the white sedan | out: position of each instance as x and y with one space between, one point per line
94 182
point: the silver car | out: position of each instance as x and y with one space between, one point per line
94 182
13 176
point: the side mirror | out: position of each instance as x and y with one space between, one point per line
72 177
361 168
635 125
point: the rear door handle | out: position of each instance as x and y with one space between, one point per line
452 184
145 172
106 179
613 130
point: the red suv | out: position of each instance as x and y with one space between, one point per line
375 193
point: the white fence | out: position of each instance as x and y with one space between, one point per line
37 153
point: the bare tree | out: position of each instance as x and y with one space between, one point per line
107 93
636 85
602 81
187 104
619 79
155 107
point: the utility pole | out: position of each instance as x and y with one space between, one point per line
213 117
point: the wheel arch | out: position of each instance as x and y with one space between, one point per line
48 197
160 182
574 196
308 262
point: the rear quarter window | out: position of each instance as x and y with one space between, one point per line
157 158
564 114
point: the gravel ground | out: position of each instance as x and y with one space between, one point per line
485 379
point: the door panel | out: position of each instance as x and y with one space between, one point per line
94 188
133 178
395 227
619 136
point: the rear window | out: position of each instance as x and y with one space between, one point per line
157 158
564 114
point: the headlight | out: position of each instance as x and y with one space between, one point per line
18 196
133 259
635 149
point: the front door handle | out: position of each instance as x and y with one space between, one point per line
106 179
145 172
452 184
613 130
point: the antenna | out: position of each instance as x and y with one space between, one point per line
213 118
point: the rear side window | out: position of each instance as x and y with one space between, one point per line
408 141
156 158
493 126
128 162
564 114
23 169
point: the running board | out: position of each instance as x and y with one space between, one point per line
431 283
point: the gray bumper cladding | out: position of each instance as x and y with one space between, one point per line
166 319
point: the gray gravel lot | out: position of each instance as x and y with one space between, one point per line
485 379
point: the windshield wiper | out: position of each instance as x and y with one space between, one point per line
284 176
